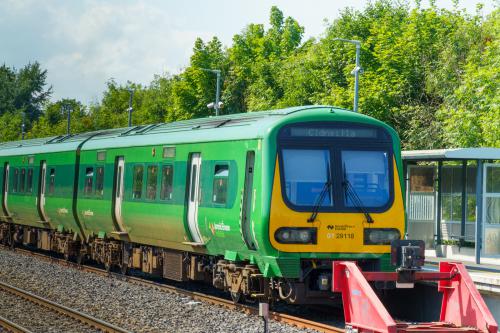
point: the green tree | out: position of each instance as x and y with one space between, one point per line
21 91
54 119
471 116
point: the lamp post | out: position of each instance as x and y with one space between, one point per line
356 71
65 107
23 126
218 104
130 108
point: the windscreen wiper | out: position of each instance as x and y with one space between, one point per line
319 201
355 199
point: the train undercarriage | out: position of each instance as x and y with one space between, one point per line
463 309
242 280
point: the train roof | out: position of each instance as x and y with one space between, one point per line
242 126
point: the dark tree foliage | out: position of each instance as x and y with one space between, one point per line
21 91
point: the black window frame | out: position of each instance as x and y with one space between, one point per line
52 181
133 192
99 181
146 192
22 180
167 197
29 180
215 178
88 191
15 180
336 145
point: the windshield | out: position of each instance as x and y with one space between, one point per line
313 178
368 173
306 171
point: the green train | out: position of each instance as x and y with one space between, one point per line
258 204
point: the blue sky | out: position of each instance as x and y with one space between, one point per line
84 43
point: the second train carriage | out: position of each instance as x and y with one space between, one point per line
258 203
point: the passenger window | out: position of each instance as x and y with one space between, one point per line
15 180
29 181
89 179
167 182
99 181
152 182
138 179
22 180
52 181
193 182
221 176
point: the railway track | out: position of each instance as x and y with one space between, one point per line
9 326
197 296
77 316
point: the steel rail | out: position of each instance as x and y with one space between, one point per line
9 326
276 316
74 314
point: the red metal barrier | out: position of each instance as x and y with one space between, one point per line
463 309
462 303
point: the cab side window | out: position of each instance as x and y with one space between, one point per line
221 177
137 182
89 179
15 180
52 180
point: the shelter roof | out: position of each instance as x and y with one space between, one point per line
452 154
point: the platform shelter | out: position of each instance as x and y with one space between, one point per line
453 202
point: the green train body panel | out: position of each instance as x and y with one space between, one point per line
164 223
59 204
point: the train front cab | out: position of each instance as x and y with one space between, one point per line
336 196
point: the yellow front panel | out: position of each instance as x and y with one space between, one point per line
337 232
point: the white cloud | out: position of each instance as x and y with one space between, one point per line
84 43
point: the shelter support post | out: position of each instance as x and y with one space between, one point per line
464 202
438 205
479 210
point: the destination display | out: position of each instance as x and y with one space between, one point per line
339 132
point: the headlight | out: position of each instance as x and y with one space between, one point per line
296 235
381 236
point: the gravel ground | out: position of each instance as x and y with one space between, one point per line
133 307
37 318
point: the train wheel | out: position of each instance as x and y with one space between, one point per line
236 297
124 269
250 300
79 259
107 267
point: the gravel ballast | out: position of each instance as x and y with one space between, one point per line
130 306
37 318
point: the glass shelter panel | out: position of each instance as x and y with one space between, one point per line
491 210
421 203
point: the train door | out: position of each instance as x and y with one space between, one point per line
42 186
194 197
119 173
5 189
246 210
